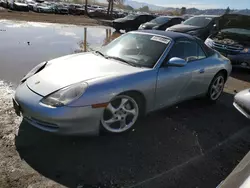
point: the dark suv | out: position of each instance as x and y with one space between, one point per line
199 26
131 22
162 22
233 39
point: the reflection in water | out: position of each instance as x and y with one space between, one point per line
85 47
25 44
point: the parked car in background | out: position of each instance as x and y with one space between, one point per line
4 3
161 23
97 13
44 8
31 4
187 16
19 5
131 22
130 77
233 39
200 26
76 9
242 102
61 9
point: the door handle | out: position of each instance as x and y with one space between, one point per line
202 71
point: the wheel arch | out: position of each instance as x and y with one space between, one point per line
224 72
139 97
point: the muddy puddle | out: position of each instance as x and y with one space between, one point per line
25 44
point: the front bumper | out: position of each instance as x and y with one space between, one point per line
241 110
242 102
61 120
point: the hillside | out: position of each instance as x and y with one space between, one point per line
137 5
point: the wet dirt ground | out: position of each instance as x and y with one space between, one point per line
190 145
43 17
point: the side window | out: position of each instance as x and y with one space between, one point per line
201 54
191 51
185 49
177 50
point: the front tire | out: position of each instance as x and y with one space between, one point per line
120 115
216 87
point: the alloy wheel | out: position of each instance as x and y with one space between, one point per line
217 87
120 114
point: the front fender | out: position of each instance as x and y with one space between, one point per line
104 89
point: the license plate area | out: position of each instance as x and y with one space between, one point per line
16 107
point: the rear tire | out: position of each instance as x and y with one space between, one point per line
216 88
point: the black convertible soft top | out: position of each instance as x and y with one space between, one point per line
176 36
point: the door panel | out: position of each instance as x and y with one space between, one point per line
170 83
197 85
199 68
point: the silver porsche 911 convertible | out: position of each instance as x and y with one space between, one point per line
108 90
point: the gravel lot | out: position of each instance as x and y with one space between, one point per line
189 145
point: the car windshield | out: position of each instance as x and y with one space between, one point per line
160 20
136 49
237 31
200 21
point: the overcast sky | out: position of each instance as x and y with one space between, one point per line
201 4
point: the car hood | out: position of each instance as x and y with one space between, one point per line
44 7
149 25
183 28
234 21
20 4
75 68
122 20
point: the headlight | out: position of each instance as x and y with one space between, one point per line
246 50
65 95
167 29
35 70
209 42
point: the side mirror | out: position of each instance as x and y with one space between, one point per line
176 62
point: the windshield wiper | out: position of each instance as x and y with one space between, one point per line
120 59
100 53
